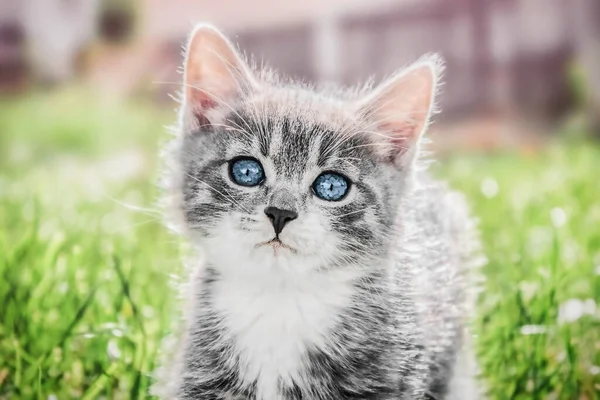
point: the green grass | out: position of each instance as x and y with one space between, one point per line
85 279
540 223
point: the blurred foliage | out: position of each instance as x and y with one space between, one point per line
538 324
86 265
584 121
85 273
41 127
579 84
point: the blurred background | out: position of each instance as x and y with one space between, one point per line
534 60
86 87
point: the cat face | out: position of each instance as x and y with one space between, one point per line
277 184
284 177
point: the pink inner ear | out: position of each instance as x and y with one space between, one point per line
399 131
399 135
202 94
214 73
400 109
200 106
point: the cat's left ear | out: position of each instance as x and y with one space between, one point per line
215 74
401 108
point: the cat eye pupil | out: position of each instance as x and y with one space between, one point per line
331 186
246 172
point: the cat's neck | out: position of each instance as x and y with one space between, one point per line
274 316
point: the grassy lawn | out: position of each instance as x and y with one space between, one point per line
86 268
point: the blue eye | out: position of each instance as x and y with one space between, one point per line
246 172
331 186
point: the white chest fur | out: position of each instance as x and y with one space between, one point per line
273 319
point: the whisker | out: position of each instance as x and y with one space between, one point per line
352 212
133 207
228 196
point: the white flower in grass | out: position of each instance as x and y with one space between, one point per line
573 309
489 188
533 330
558 217
113 349
528 289
570 311
594 370
52 397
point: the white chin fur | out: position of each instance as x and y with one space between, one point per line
276 303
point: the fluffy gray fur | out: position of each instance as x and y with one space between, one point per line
399 250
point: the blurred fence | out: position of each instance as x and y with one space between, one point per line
500 54
488 66
503 54
13 63
43 37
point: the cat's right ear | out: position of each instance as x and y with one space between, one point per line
401 109
214 75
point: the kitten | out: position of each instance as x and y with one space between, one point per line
333 267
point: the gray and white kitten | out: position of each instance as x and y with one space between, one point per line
333 267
